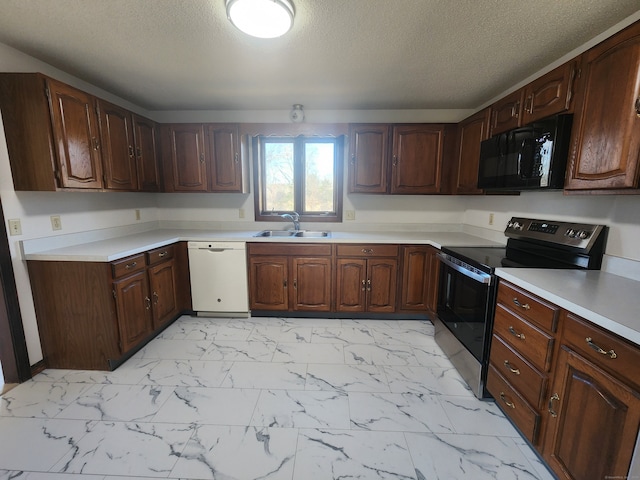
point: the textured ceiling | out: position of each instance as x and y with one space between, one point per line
340 54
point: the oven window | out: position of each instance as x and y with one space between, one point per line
463 306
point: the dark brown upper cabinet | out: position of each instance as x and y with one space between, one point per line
118 154
396 159
471 132
185 165
551 94
368 158
146 151
605 148
227 170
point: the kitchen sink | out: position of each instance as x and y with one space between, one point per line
293 234
309 234
274 233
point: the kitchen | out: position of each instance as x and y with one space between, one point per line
100 211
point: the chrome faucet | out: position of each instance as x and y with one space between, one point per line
293 217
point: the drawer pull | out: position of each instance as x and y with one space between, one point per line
553 413
611 353
513 370
516 334
131 265
367 250
524 306
163 254
507 402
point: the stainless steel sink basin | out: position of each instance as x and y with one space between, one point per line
309 234
274 233
293 234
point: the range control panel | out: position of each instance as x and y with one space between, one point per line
576 235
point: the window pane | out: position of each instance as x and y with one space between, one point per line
318 177
278 174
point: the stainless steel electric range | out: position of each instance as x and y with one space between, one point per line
468 285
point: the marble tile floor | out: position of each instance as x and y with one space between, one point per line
264 398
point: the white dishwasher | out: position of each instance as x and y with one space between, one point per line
219 278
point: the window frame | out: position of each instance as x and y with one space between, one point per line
299 186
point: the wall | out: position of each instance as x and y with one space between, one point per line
619 212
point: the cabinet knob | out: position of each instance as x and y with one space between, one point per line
163 254
96 144
367 250
130 151
368 285
364 282
524 306
202 158
395 160
638 106
138 152
295 283
513 370
147 301
155 298
235 158
514 110
131 265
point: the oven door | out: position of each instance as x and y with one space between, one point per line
465 306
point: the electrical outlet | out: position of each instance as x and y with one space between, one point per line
137 214
14 227
350 214
56 223
491 219
241 213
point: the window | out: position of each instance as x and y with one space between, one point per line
301 174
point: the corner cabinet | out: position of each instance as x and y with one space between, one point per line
605 147
94 315
61 138
396 159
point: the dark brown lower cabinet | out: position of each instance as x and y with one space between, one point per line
295 277
366 285
91 315
420 266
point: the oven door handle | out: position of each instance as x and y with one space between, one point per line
478 277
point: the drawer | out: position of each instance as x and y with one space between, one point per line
127 266
298 249
524 378
529 306
525 338
374 250
601 347
160 254
513 405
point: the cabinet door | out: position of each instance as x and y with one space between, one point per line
506 113
605 143
351 280
224 152
268 283
75 128
368 165
550 94
471 132
416 160
593 421
116 141
311 281
144 134
164 299
133 307
416 278
187 158
381 285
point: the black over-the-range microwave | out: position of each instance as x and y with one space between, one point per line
533 157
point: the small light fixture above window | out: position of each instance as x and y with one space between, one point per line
261 18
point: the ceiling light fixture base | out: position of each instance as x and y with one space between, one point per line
297 113
261 18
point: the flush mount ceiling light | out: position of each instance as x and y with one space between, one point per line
261 18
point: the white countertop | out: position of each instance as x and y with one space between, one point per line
119 247
610 301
